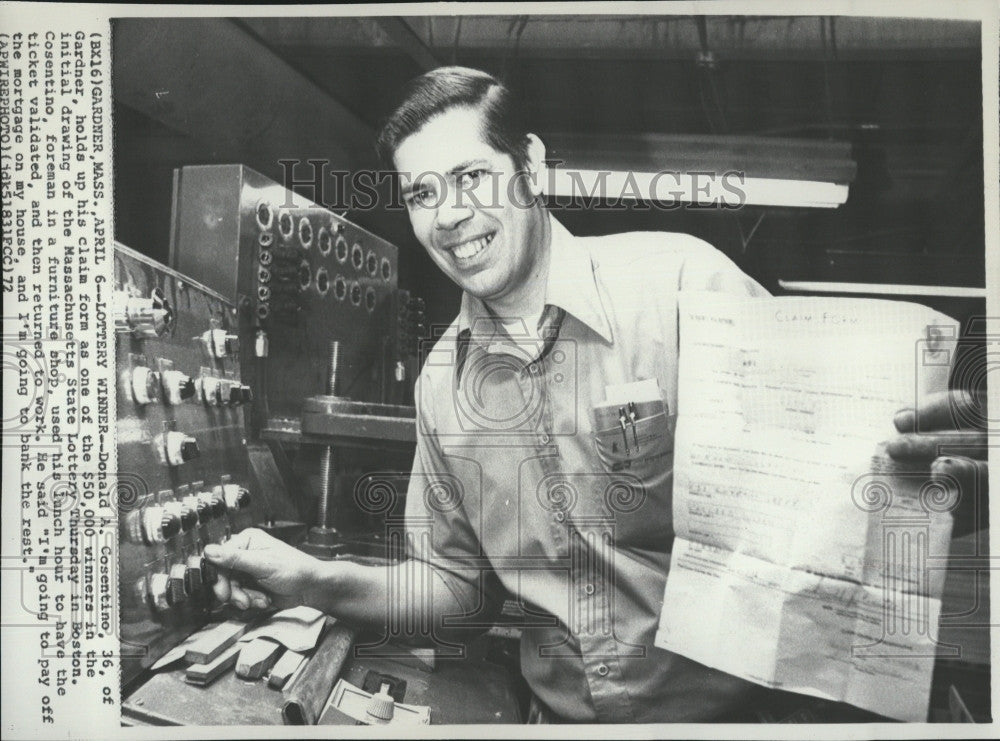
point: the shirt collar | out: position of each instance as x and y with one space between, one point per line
570 286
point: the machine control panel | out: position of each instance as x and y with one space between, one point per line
300 276
182 446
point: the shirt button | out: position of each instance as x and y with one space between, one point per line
602 670
589 589
533 369
560 516
543 439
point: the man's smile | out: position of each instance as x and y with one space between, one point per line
464 253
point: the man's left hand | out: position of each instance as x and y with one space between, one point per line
948 431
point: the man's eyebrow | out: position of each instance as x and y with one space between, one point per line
408 189
467 165
461 167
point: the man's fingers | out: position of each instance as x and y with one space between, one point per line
221 588
229 590
927 447
239 596
966 473
258 599
966 482
232 554
956 409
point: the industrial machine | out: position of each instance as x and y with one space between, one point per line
265 379
301 277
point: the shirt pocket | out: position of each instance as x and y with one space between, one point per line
643 449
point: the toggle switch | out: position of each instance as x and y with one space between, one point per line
235 496
144 384
179 448
221 344
177 386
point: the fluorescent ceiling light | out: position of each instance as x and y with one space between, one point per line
701 170
694 188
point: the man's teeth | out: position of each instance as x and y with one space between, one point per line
472 248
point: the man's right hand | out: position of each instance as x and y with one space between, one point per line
256 569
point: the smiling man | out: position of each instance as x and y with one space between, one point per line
546 411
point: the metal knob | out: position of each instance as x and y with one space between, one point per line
179 448
239 393
194 574
381 706
159 591
221 344
235 496
159 524
200 508
144 384
214 502
145 318
177 584
177 386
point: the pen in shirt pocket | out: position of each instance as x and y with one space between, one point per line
623 422
633 415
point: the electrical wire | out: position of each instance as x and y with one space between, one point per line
745 240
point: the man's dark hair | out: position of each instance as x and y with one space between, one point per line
445 88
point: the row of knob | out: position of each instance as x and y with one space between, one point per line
146 384
330 239
157 523
150 317
412 318
278 284
182 581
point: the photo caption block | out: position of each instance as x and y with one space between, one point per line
59 525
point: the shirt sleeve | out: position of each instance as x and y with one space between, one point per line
441 538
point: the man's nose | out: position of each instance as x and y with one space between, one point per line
454 209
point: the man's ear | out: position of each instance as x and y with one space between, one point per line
537 169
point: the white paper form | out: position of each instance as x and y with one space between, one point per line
801 551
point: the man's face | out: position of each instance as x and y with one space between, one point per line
467 208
